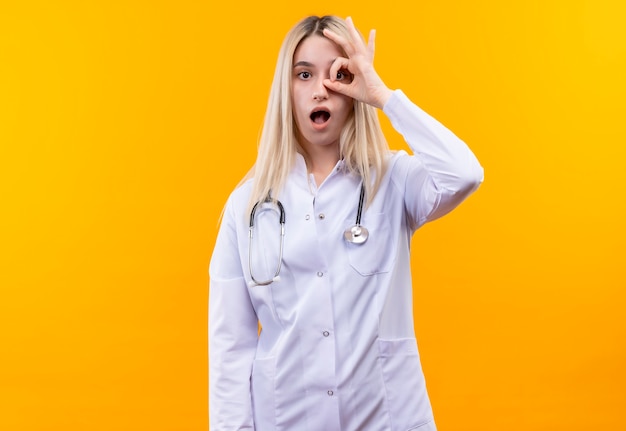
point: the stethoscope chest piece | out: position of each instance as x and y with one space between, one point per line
356 234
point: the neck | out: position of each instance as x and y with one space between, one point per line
321 160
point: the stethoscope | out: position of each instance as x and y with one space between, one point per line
355 234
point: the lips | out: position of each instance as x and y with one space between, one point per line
320 116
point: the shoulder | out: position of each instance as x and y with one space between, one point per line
397 162
237 201
242 191
400 165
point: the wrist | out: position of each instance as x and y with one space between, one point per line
384 96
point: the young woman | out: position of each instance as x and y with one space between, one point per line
310 314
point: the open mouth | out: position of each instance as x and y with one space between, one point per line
320 117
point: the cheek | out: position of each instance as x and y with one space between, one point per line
296 109
346 108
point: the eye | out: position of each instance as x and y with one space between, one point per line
343 75
304 75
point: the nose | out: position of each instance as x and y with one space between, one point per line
320 92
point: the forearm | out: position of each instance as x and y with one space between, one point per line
444 170
232 345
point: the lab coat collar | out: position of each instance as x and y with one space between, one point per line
301 169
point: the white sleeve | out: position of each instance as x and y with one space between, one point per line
443 170
233 334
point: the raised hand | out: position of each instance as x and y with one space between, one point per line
365 85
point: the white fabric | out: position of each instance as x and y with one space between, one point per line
337 350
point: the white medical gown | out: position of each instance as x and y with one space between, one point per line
337 350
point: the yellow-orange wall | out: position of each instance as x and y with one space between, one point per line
125 124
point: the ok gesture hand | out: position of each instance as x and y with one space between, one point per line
365 86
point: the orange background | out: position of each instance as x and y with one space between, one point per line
125 124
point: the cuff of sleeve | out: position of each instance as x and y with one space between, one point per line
397 99
400 110
406 116
403 113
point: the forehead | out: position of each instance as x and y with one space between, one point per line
317 49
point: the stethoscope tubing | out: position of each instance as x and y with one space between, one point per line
282 241
356 234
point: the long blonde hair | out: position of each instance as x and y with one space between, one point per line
361 143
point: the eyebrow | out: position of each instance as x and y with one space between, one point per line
307 64
303 63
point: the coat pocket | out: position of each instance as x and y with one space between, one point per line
429 426
378 253
405 389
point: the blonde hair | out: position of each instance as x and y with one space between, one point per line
361 144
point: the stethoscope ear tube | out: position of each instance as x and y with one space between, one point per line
357 234
267 200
